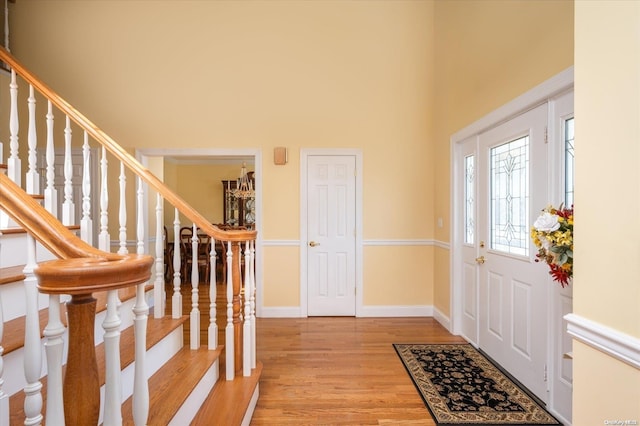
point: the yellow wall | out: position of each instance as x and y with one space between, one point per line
202 74
487 53
607 107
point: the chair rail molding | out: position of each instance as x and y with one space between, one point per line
621 346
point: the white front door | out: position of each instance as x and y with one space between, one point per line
512 179
331 245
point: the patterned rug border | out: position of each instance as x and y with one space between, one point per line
537 414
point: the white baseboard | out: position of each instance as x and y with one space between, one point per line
621 346
442 319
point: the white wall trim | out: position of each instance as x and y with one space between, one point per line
399 242
441 318
396 311
442 244
622 346
280 243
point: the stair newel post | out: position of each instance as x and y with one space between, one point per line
14 164
86 224
54 347
228 332
104 240
195 281
158 285
247 348
113 382
33 177
32 349
213 294
68 207
176 299
81 382
4 398
50 192
237 308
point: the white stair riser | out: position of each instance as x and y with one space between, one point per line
13 250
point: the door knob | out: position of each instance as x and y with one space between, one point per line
480 260
313 244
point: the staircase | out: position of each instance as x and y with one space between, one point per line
84 337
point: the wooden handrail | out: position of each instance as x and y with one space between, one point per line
126 158
44 227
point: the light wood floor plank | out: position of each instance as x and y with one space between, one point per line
340 371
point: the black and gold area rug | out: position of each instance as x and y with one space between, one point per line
462 387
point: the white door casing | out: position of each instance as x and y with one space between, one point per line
331 235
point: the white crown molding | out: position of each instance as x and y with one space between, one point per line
621 346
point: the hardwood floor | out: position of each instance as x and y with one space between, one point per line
332 370
340 370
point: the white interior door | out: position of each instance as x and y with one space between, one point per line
331 272
512 179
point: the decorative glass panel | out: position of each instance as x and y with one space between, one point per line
469 198
569 161
510 197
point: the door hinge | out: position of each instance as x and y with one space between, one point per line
545 373
546 134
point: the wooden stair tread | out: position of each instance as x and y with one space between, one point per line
13 337
228 401
11 274
156 330
173 383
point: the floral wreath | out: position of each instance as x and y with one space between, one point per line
552 233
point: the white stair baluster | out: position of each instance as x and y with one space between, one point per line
32 350
176 299
86 223
212 336
122 211
33 177
141 314
252 302
113 382
68 207
246 332
54 348
158 285
4 398
104 241
50 191
195 281
229 333
14 164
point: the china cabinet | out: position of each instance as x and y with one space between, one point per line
238 211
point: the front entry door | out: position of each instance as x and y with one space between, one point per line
331 272
512 179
